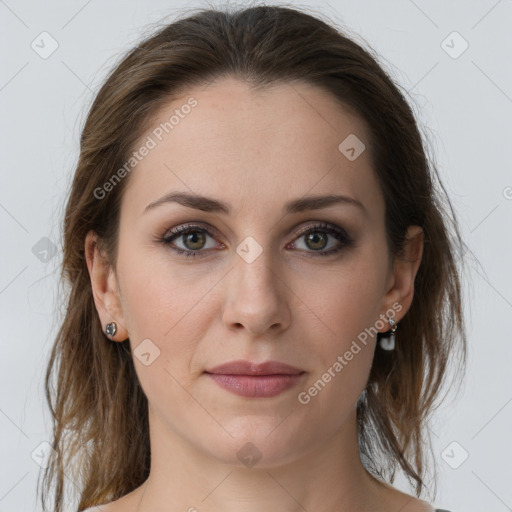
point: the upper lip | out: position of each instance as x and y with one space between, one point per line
241 367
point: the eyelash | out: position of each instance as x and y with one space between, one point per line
337 232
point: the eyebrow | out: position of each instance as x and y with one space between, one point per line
207 204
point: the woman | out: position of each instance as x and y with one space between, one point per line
264 281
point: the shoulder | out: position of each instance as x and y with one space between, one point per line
418 505
395 499
108 507
398 500
126 502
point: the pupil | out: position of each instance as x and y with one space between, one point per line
314 237
192 237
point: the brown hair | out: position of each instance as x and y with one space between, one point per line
100 419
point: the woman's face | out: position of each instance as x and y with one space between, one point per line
256 286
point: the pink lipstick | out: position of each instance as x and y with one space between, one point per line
253 380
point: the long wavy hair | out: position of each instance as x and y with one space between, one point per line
99 410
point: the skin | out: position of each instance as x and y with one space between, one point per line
255 151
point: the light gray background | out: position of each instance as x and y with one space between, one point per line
464 102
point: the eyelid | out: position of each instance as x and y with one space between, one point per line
344 239
190 226
320 224
333 230
317 224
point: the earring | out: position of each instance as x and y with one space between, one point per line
111 329
387 342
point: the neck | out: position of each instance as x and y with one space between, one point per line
329 477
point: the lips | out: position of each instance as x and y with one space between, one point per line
241 367
252 380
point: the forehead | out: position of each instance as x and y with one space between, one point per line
246 146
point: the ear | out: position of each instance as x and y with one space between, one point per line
105 288
400 286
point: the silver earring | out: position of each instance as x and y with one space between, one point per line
387 342
111 329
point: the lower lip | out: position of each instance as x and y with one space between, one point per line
256 386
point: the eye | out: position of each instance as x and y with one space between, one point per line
192 237
194 240
317 238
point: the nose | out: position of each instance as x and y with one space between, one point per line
257 297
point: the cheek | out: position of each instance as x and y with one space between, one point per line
346 305
343 355
167 303
155 294
347 300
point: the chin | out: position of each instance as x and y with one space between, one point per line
258 442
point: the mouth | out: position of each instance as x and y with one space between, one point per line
252 380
